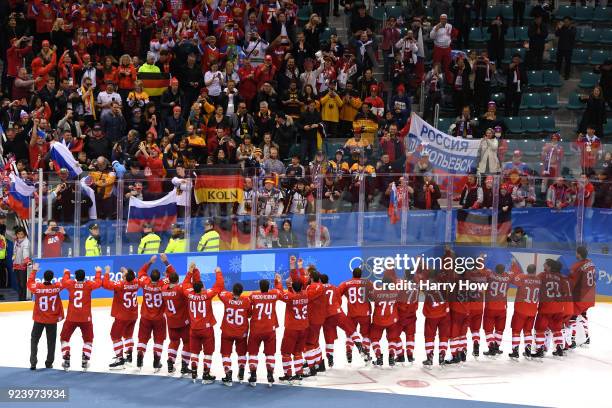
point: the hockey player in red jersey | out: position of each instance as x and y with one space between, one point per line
550 311
476 304
125 312
460 317
525 310
202 321
359 309
583 280
234 330
263 329
496 299
296 326
336 318
384 317
407 306
177 318
47 311
317 312
437 316
79 313
152 319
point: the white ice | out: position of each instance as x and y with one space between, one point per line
580 379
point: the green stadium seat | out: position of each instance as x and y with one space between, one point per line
550 100
535 78
606 36
584 14
506 11
588 80
476 35
589 36
531 101
547 124
565 11
514 124
527 15
499 99
521 33
294 150
552 55
303 14
608 128
429 12
552 79
379 13
599 56
394 11
602 14
444 124
326 34
509 52
580 56
493 11
531 124
575 103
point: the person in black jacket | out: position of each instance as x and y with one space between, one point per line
309 125
496 45
566 33
191 80
172 96
538 32
461 84
516 82
595 113
426 193
462 21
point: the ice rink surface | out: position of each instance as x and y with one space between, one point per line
580 379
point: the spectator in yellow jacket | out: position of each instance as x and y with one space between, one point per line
350 106
330 112
367 122
103 178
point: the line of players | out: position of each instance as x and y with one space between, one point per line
184 311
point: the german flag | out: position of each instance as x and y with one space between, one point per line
474 227
234 235
219 186
154 83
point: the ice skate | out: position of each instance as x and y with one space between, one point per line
321 367
285 379
349 356
429 362
391 360
117 364
194 374
270 378
227 380
527 352
207 378
330 360
185 371
514 356
558 351
139 361
241 374
85 364
476 350
442 361
253 378
410 358
171 369
66 363
297 379
128 357
157 364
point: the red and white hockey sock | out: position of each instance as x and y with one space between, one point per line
528 338
186 356
558 338
172 355
270 363
128 345
454 346
298 362
394 348
118 348
349 345
410 344
227 363
429 346
356 338
87 348
443 346
329 349
157 349
585 325
475 336
195 361
65 349
318 355
498 338
464 342
366 344
490 338
376 348
287 369
141 348
242 361
540 338
207 361
516 339
309 355
252 363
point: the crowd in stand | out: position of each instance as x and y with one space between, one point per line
251 85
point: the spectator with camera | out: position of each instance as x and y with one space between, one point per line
53 239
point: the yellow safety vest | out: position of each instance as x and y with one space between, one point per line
209 242
149 244
92 247
176 245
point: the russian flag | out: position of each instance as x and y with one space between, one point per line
393 205
19 196
62 159
161 213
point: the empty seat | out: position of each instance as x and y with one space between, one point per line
531 101
606 36
304 13
547 124
608 128
444 124
550 100
565 11
552 79
379 13
477 35
602 14
521 33
575 103
514 124
584 13
588 80
535 78
506 12
580 56
499 99
326 34
598 57
531 124
552 55
394 11
493 11
589 35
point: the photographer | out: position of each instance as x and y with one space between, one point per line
53 239
518 239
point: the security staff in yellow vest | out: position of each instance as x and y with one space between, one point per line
150 242
177 242
92 243
210 240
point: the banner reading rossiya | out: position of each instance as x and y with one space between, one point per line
447 154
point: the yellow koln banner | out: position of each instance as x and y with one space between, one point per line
218 188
